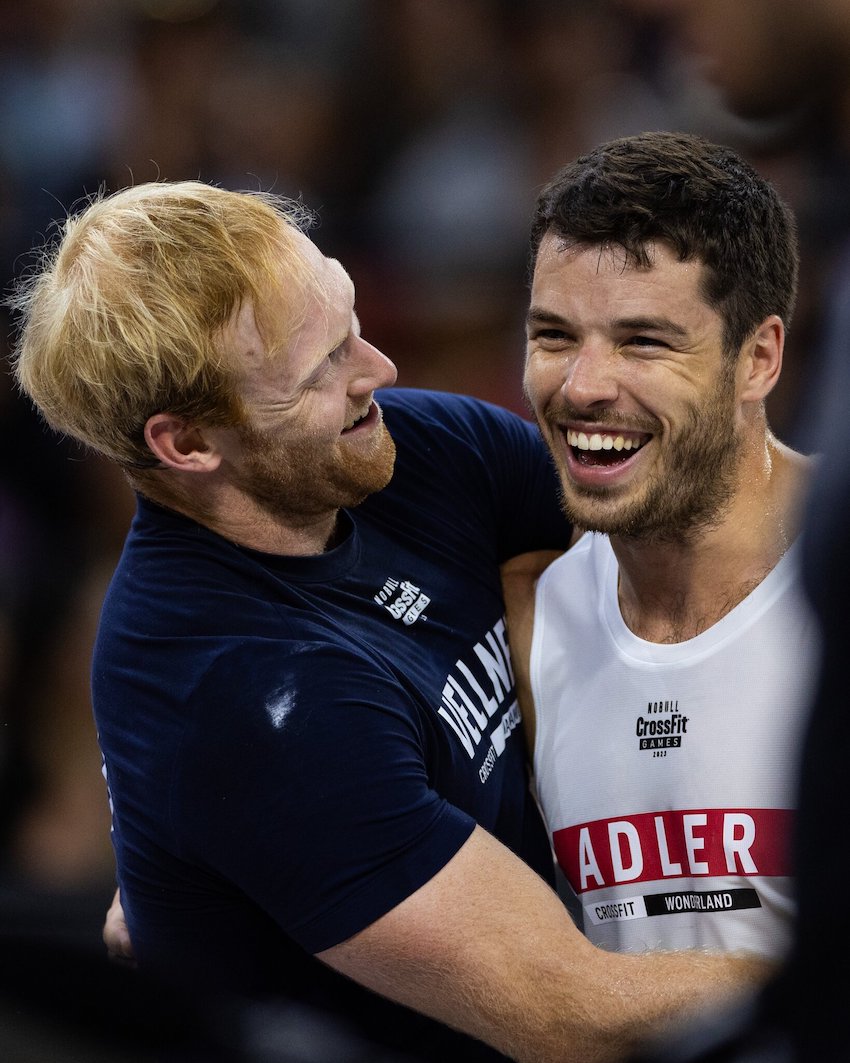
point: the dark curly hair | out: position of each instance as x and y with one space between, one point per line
700 199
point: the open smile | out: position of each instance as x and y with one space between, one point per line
602 457
604 447
366 419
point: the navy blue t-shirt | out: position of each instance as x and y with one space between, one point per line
294 745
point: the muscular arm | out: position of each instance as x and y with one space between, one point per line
488 948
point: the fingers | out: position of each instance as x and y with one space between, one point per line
116 936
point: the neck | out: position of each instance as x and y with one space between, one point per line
672 591
271 535
234 516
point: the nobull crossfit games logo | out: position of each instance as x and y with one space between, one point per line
661 727
403 600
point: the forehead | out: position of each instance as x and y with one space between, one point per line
326 310
327 286
580 280
306 312
308 288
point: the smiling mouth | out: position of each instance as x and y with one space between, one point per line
357 420
604 448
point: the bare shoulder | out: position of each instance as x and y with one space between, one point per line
519 580
520 575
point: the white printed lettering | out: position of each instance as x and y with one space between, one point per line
477 715
489 704
624 830
587 863
501 634
668 866
739 844
693 842
454 722
495 667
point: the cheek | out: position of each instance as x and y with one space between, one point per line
540 381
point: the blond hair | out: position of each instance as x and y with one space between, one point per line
124 316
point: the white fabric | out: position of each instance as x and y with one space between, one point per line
667 773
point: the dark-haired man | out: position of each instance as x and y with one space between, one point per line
790 59
671 653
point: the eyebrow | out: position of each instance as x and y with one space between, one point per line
539 316
651 324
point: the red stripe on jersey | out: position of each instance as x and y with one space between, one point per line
692 843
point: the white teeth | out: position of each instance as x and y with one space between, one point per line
354 420
598 441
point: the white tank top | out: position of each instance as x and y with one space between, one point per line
667 773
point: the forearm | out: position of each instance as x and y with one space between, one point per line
519 976
624 1000
607 1008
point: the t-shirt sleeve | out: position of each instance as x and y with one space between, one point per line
500 464
523 483
306 787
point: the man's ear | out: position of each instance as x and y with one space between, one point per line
179 445
761 363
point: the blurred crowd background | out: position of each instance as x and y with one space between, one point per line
420 131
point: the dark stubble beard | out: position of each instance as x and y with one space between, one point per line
302 481
689 494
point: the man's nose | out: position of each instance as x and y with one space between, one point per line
590 377
371 368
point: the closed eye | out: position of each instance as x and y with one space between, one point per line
646 341
551 336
